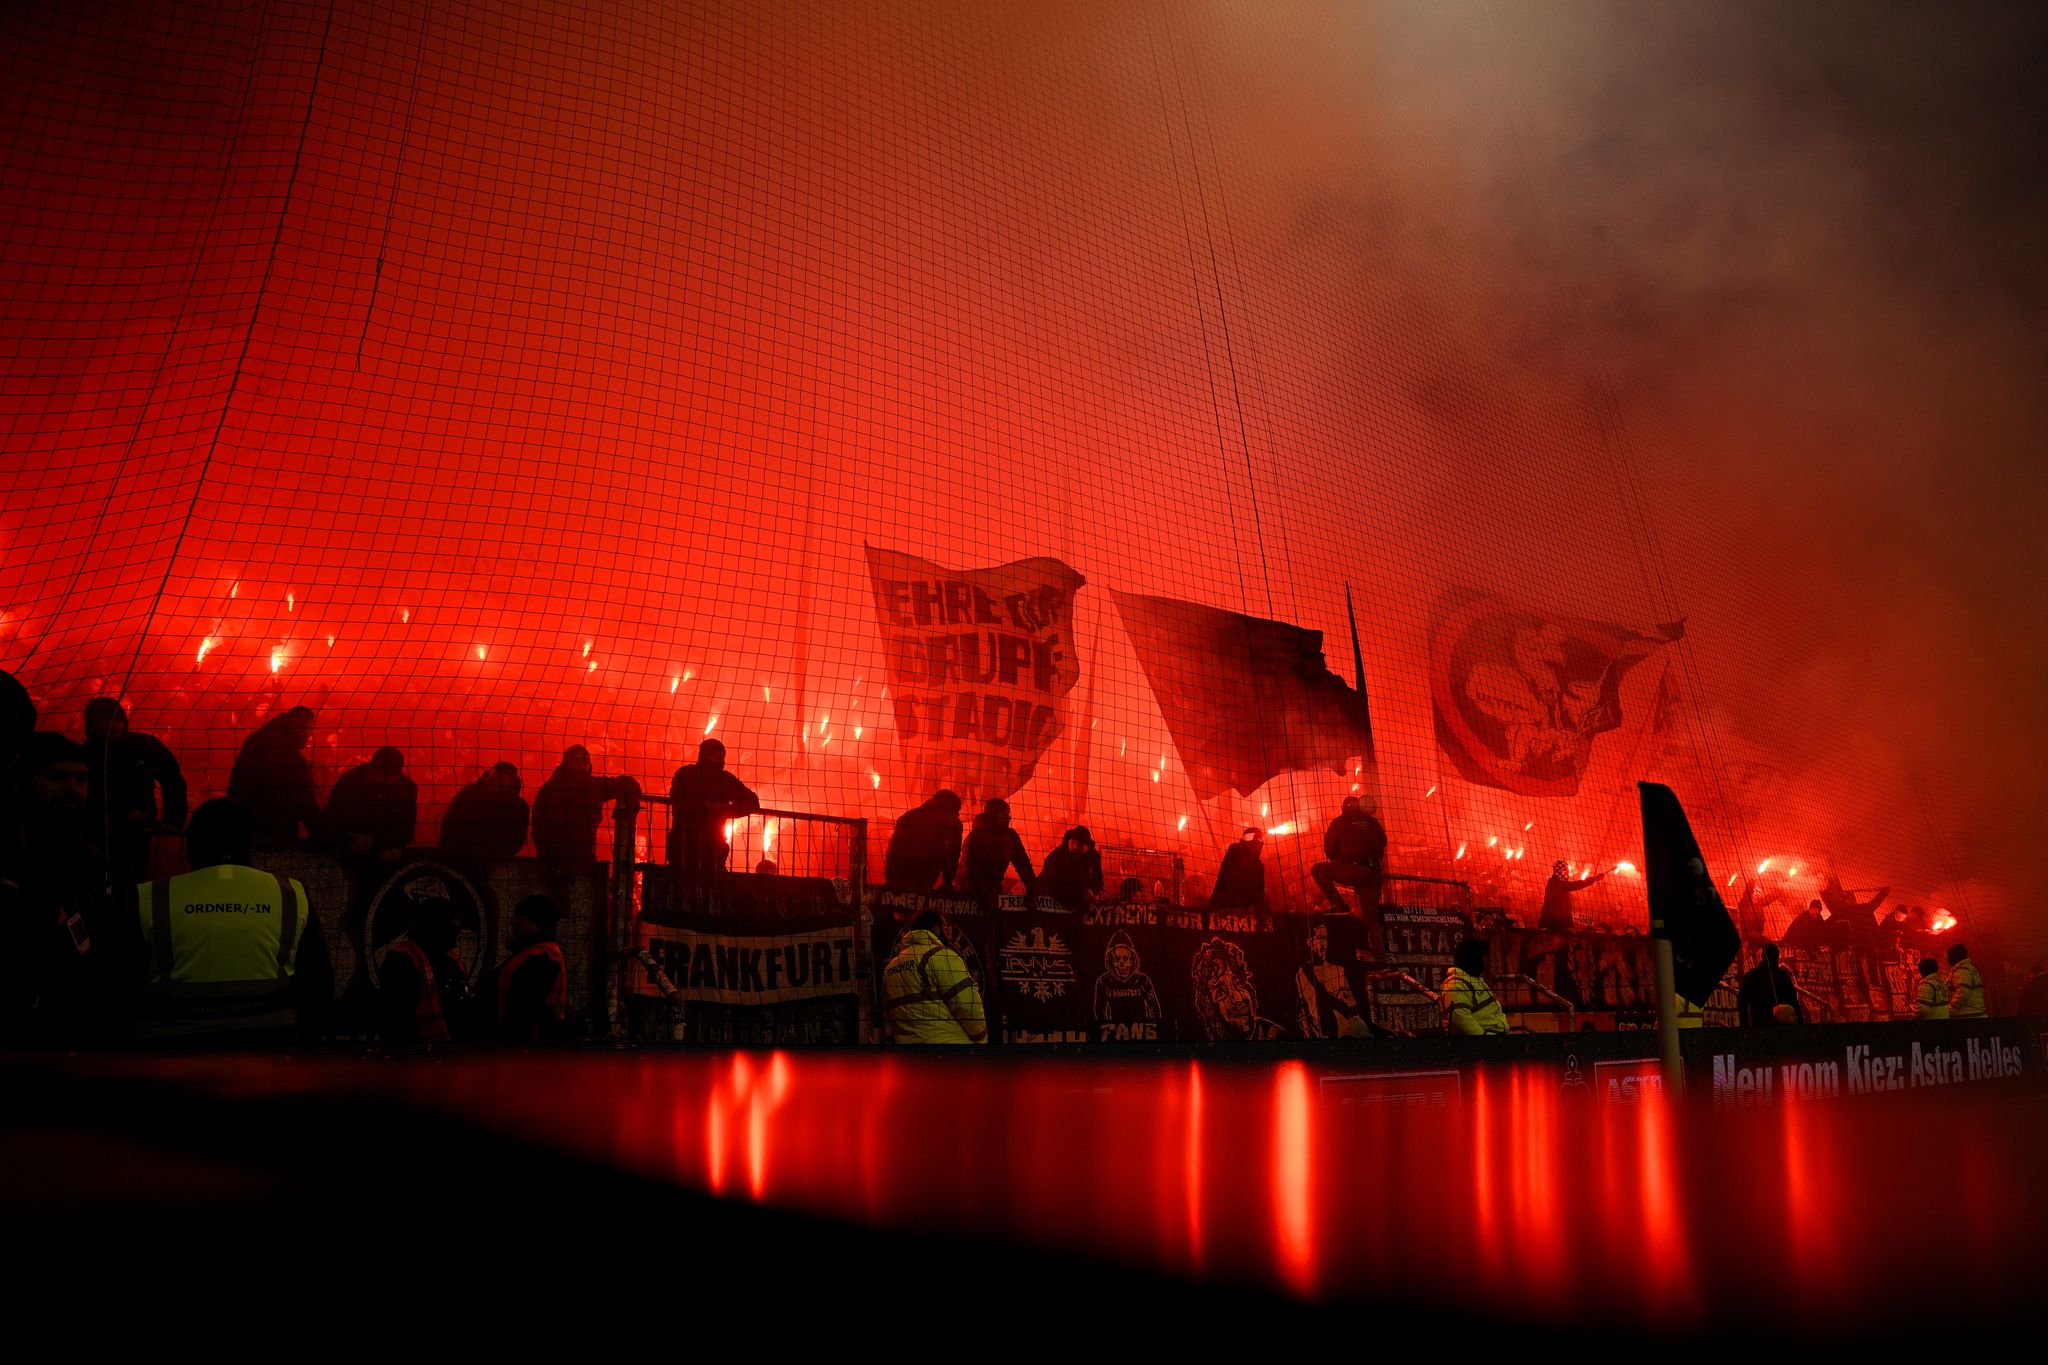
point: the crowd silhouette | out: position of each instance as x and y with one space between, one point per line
87 885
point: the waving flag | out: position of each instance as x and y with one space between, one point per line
1243 698
980 665
1520 698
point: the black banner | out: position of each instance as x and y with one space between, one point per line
1147 971
1767 1065
751 959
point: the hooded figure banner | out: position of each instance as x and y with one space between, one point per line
1519 698
980 665
1245 699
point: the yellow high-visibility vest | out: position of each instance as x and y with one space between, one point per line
222 945
1965 991
928 995
1690 1015
1930 998
1470 1006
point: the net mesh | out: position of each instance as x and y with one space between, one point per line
492 379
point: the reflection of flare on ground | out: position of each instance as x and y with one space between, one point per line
1519 1195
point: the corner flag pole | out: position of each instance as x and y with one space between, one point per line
1667 1020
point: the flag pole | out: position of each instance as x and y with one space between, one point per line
1667 1020
1686 910
1370 758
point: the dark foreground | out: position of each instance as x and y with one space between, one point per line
698 1197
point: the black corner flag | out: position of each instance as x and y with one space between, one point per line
1685 905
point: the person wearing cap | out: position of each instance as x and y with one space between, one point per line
1965 985
703 799
423 988
1469 1007
121 800
232 951
1072 872
1930 997
991 850
66 958
530 993
1241 881
1355 846
567 810
928 995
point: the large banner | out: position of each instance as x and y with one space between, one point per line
1157 972
1244 698
754 960
980 664
1146 971
1520 698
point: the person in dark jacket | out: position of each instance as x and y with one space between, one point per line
486 823
567 810
1767 995
992 849
703 797
371 817
1557 897
68 963
1807 931
1072 872
423 989
1241 881
1355 845
924 848
530 991
129 767
17 717
17 723
373 810
273 779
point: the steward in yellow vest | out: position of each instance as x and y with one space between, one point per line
1690 1015
1930 997
232 950
1965 985
927 994
1469 1007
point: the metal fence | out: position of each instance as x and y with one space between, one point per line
783 843
1161 875
1427 895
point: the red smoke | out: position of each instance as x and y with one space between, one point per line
499 381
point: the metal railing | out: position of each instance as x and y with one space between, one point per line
1397 975
1571 1011
1429 895
1162 874
1827 1006
796 843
